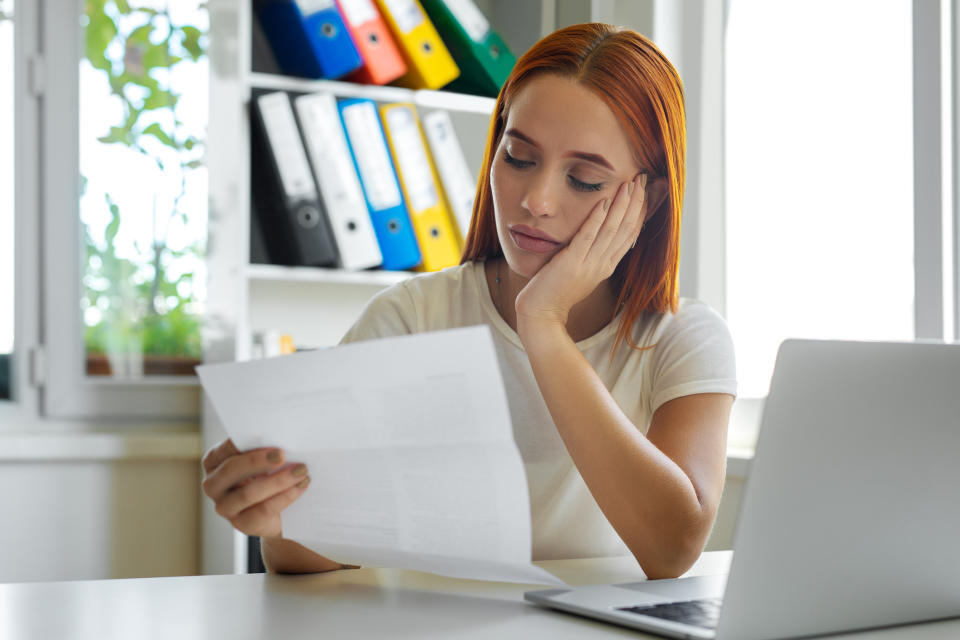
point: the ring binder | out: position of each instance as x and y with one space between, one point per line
418 178
292 218
339 185
388 211
309 37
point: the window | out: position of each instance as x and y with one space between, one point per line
820 188
123 120
143 197
6 196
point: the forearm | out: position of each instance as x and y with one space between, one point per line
648 499
286 556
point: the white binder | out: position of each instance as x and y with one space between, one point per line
458 182
339 185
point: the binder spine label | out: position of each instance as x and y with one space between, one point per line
470 18
373 159
288 150
358 12
310 7
407 13
412 158
458 182
329 147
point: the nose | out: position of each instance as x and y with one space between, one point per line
540 197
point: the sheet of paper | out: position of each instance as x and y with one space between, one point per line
409 448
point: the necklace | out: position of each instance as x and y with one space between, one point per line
499 296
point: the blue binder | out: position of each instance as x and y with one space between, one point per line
313 45
381 189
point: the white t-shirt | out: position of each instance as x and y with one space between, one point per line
693 354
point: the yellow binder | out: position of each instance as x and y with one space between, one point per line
429 63
431 218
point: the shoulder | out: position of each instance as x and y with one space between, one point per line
693 319
428 286
420 303
694 344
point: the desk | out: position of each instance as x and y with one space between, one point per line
364 603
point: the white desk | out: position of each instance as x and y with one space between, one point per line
364 603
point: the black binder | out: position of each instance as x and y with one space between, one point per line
285 197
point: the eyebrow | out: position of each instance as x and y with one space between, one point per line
582 155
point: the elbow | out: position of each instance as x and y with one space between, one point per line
668 563
674 554
667 566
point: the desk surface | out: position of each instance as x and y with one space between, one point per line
364 603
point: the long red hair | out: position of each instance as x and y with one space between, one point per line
643 90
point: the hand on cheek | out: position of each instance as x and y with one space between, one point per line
603 239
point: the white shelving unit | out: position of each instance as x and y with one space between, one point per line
316 305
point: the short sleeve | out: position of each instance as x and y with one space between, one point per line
390 312
693 355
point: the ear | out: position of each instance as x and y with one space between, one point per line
656 195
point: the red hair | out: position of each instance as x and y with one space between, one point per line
644 92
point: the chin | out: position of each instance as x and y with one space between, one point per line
525 265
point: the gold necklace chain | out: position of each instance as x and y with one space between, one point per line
498 280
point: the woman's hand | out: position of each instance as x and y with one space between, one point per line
252 488
589 259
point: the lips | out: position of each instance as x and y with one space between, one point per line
533 240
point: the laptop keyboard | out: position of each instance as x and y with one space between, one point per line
700 613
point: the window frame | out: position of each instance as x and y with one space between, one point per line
67 391
23 406
935 214
693 36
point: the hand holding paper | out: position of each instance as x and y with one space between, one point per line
409 447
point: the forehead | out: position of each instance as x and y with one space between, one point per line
563 115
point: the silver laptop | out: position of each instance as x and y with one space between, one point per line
850 517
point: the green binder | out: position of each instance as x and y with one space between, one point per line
482 55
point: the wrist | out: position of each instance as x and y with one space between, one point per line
540 330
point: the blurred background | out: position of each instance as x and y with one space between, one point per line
821 202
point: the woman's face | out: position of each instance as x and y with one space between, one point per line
562 151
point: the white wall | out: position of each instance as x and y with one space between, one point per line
93 506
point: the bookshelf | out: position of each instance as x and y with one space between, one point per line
316 305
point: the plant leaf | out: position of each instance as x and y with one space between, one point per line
157 132
191 42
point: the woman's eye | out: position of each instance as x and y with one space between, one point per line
580 185
516 162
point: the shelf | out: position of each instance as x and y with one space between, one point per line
422 98
278 273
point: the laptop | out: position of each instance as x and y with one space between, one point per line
850 517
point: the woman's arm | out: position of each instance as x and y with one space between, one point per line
660 491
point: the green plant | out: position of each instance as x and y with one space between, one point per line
144 306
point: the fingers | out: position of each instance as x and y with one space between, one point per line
618 210
218 454
585 238
612 234
633 220
260 490
238 468
250 519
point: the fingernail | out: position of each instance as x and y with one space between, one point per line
274 456
299 470
606 204
643 180
303 483
630 187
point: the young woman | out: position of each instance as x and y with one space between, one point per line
619 392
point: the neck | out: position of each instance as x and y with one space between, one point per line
586 318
